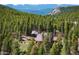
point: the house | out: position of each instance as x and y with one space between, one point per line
23 38
34 33
39 37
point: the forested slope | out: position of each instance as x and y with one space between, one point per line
13 21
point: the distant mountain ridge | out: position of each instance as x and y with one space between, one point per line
42 9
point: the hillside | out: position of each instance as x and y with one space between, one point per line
64 26
69 9
10 11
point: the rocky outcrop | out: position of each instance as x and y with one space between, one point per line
55 11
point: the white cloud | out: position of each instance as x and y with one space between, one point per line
39 2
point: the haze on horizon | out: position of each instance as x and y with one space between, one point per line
36 2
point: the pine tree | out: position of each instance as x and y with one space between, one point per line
25 47
66 49
15 47
41 49
34 50
56 47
